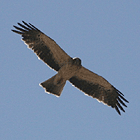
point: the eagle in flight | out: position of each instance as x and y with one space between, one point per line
68 68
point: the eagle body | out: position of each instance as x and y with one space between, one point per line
68 69
55 84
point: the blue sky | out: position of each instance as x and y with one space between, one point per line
105 35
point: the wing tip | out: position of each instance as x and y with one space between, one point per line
24 27
120 101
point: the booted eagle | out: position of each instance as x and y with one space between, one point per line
68 69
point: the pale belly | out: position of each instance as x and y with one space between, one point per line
66 72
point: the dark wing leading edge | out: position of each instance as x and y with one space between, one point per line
99 88
44 47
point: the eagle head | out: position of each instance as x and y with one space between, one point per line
77 61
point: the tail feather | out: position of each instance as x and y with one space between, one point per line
50 86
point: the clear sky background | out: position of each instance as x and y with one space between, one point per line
105 34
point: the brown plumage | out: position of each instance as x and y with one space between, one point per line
68 69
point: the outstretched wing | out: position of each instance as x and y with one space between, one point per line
99 88
44 47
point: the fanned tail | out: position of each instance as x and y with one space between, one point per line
51 87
